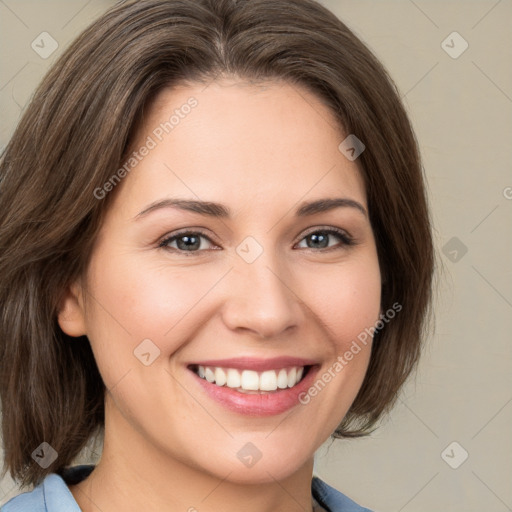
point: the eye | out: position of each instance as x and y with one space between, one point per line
320 239
191 241
186 241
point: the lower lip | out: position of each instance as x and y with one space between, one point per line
258 404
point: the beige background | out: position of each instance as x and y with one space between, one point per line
462 110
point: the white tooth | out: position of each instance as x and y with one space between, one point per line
233 378
220 377
208 374
282 379
292 374
250 380
268 381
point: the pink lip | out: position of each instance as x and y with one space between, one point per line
258 365
257 404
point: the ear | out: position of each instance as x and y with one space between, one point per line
71 313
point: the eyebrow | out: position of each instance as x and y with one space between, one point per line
218 210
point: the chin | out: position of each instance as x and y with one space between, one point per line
249 465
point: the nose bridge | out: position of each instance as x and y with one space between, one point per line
260 297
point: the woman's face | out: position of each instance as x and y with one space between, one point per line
255 291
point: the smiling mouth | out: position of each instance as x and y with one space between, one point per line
250 381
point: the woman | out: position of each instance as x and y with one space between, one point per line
216 253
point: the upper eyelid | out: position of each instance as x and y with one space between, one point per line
186 231
327 228
333 230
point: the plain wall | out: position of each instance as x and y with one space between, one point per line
461 109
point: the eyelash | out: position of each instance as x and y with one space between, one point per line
346 240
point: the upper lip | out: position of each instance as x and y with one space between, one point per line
256 364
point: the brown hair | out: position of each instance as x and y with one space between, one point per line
75 134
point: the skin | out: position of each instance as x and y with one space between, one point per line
261 151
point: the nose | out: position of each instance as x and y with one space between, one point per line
260 298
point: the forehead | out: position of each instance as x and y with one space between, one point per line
242 143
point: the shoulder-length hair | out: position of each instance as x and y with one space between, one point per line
75 134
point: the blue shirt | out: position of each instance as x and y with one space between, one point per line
53 495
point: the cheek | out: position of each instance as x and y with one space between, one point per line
129 302
346 304
347 299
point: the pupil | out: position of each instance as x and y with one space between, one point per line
318 240
190 242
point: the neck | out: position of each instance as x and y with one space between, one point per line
134 475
